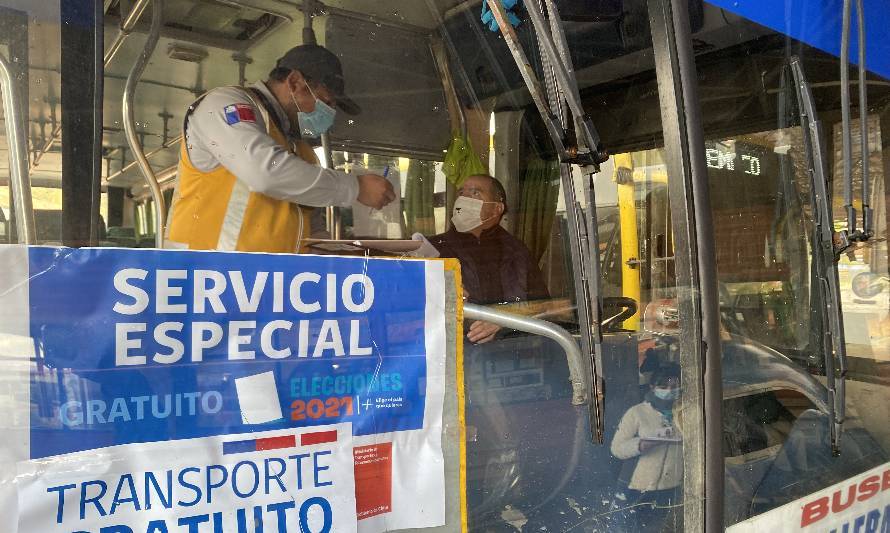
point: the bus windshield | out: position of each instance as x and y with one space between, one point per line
640 180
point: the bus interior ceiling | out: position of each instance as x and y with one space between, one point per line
391 73
199 49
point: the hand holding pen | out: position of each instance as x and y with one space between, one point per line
375 191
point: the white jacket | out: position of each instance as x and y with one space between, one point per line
660 467
247 151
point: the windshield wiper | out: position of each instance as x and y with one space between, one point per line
560 101
827 248
852 233
589 151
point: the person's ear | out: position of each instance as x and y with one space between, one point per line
295 81
500 208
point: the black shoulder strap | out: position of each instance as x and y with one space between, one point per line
189 112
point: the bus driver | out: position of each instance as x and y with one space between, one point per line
245 176
496 266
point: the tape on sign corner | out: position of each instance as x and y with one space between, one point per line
453 266
462 423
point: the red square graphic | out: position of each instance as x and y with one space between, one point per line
373 479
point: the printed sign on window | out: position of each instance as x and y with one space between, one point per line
201 391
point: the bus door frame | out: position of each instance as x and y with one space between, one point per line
696 271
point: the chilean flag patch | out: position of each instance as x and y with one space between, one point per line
236 113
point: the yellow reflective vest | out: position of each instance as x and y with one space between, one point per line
216 211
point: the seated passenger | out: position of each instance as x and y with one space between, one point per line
648 440
496 267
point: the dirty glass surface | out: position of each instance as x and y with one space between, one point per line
776 439
532 464
776 402
443 105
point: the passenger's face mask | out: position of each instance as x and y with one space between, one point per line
467 213
317 122
669 393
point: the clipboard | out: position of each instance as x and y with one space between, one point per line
393 246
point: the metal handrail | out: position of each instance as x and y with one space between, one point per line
148 155
126 28
157 19
580 386
846 134
128 23
54 137
18 155
166 178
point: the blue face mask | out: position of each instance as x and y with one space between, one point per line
317 122
666 394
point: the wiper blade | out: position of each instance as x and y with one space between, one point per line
552 42
827 247
867 231
556 104
562 88
590 150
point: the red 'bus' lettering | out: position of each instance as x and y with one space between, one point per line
868 488
836 505
814 511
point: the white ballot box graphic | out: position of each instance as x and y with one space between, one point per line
258 398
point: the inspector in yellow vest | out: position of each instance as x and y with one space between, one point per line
215 211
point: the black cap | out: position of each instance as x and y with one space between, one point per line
320 65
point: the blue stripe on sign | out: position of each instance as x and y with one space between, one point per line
239 446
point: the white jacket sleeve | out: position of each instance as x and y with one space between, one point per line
254 157
626 442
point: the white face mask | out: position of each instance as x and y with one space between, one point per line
467 213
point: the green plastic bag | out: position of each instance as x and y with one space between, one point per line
461 161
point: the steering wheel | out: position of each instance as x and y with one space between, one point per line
627 307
